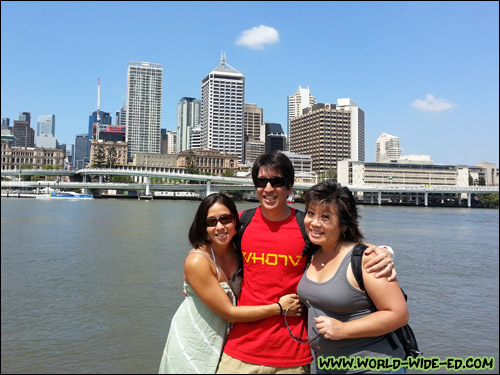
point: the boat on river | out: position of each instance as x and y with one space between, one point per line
65 195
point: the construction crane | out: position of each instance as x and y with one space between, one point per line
98 105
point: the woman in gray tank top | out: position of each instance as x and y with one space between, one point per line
347 332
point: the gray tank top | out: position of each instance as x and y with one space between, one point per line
338 299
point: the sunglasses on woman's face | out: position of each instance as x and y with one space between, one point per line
223 219
275 182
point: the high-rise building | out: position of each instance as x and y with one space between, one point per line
253 124
222 101
121 116
188 118
5 122
195 141
81 158
46 125
388 148
168 141
357 128
70 154
25 135
324 132
299 101
144 98
275 137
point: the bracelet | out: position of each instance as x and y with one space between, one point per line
281 308
389 249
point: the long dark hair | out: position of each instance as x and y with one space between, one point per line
198 235
332 193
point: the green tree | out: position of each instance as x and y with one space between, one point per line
229 173
191 164
489 200
99 156
112 157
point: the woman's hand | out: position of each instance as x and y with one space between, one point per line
330 328
292 303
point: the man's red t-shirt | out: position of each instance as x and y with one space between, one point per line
272 267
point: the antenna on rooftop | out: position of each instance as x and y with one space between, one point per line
223 58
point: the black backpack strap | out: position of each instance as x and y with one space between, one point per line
357 262
246 217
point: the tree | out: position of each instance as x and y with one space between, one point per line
191 164
112 157
229 172
489 200
99 156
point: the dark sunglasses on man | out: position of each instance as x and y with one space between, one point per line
275 182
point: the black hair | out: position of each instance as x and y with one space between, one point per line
276 161
328 193
198 235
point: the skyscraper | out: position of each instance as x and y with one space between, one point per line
25 135
222 101
357 128
46 125
324 132
275 137
188 118
388 148
299 101
144 98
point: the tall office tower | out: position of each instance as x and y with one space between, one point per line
324 132
195 141
253 117
81 157
168 141
253 122
388 148
188 118
5 122
25 135
121 116
357 128
222 100
70 153
46 125
275 137
144 94
299 101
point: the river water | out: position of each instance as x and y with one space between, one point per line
91 286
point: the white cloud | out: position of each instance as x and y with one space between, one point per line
259 36
432 104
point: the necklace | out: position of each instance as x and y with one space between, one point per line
328 257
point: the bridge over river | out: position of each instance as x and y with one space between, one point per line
206 184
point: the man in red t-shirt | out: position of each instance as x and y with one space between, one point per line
272 245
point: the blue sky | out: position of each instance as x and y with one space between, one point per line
427 72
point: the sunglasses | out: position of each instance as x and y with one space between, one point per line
275 182
300 339
223 219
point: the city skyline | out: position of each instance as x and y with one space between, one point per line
425 72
